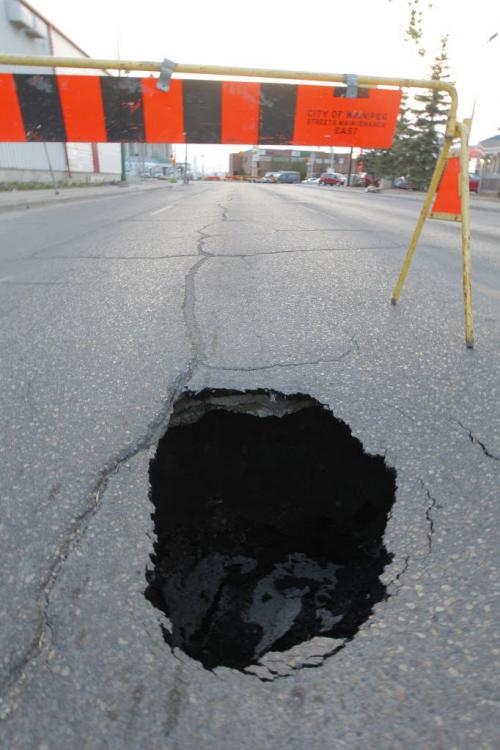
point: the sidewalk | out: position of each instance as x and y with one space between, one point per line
12 200
481 201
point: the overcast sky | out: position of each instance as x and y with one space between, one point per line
353 36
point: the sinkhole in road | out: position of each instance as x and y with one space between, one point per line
269 519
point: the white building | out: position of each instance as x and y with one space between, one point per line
148 159
489 165
24 31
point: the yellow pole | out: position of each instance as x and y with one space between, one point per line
424 213
46 61
464 128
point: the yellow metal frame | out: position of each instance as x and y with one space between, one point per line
454 130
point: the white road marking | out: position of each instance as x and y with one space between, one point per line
159 210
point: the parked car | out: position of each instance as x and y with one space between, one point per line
331 178
311 181
402 183
288 177
474 181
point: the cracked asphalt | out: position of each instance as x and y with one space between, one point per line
110 308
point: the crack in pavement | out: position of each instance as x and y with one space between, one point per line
193 329
428 513
475 440
224 210
73 538
201 241
400 574
20 674
274 365
291 252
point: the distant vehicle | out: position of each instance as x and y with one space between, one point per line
402 183
288 177
358 179
311 181
331 178
364 179
270 177
340 176
474 181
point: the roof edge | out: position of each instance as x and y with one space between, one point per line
53 26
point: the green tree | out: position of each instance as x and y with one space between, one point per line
429 115
419 133
392 162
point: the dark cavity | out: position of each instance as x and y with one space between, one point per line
269 520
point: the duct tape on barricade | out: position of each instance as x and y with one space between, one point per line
77 108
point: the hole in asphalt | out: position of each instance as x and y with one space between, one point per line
269 520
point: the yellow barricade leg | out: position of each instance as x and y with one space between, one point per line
424 213
465 207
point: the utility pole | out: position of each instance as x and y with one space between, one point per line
350 169
52 176
123 177
185 179
311 164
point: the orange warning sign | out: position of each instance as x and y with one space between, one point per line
448 204
327 118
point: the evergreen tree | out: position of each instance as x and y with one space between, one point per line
419 133
392 162
426 130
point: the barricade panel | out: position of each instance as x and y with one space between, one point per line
448 204
128 109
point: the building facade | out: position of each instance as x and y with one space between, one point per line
148 159
25 31
255 162
489 165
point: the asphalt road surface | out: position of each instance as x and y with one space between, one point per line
110 308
